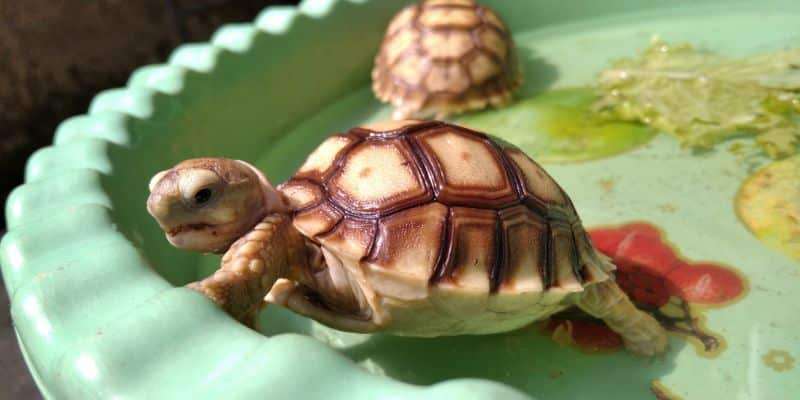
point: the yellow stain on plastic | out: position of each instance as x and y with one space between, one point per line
559 127
779 360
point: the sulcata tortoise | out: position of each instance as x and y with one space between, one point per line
442 57
406 227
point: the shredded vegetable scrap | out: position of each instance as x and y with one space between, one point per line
705 98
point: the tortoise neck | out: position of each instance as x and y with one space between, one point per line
273 201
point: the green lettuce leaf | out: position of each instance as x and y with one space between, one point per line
704 98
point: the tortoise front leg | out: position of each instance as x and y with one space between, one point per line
250 267
641 333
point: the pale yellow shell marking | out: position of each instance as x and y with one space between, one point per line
447 44
493 42
437 17
481 68
301 194
399 43
393 284
375 173
564 253
350 239
473 246
389 125
322 158
316 220
402 19
466 162
536 180
409 69
409 241
525 238
447 78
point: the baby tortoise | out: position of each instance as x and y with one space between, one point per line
442 57
407 227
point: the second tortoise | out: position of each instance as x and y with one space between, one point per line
444 57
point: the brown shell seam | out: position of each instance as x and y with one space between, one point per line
428 170
476 41
364 135
439 6
578 269
499 261
440 269
305 208
374 136
481 11
438 179
546 267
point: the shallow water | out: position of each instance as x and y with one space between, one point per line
688 196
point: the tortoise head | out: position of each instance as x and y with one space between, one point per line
205 204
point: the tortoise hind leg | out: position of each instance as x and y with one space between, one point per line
306 302
642 333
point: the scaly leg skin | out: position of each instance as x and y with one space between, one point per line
251 266
641 333
298 298
441 115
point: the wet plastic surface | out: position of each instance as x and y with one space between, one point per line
93 282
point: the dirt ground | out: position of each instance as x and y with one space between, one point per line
54 56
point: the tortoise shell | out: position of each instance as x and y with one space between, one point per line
442 57
433 204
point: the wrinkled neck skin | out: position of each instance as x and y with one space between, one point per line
270 220
305 256
272 203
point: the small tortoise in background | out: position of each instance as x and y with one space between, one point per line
406 227
442 57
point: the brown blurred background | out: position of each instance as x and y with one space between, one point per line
54 56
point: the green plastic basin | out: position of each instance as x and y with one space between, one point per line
96 290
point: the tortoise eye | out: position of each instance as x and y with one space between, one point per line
202 196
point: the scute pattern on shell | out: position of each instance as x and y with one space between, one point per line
442 57
440 203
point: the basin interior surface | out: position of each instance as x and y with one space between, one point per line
275 100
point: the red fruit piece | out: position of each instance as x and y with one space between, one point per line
642 249
642 229
607 240
705 283
587 334
643 286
